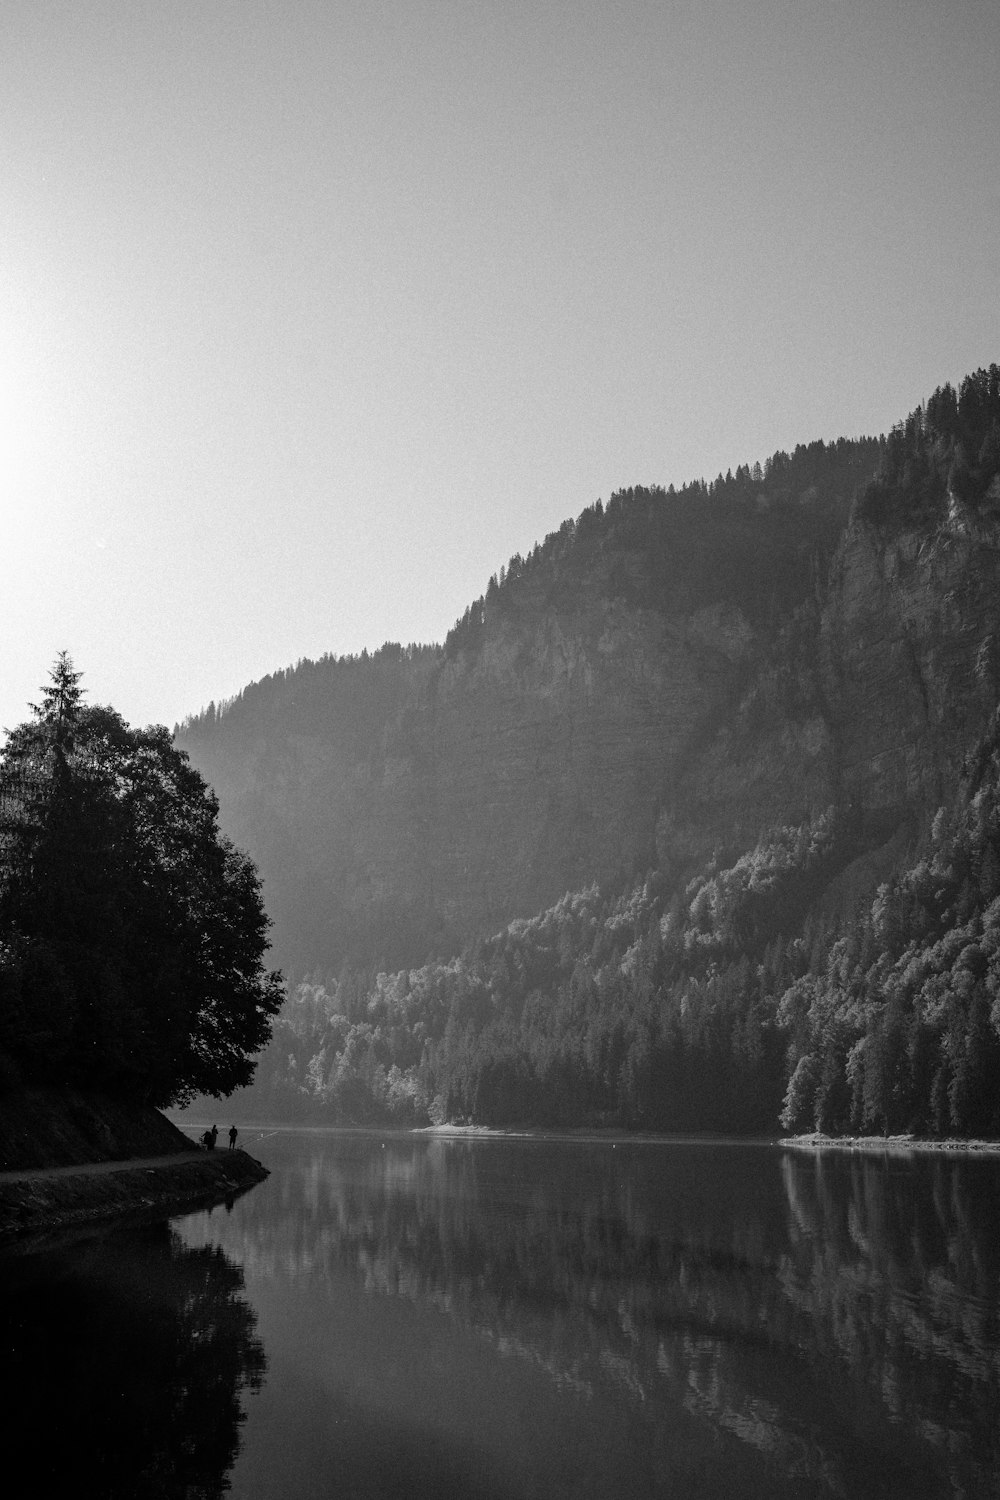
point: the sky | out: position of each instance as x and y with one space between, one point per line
314 312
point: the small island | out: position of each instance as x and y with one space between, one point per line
132 943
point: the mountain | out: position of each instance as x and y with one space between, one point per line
400 803
723 717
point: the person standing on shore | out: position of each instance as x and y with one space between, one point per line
233 1133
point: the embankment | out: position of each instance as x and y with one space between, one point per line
72 1158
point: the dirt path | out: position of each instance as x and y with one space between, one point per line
98 1168
36 1204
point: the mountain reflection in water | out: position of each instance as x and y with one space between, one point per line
124 1357
827 1323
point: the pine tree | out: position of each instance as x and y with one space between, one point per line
62 699
116 883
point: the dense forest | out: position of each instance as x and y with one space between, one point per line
839 971
762 989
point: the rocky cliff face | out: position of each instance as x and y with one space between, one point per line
909 657
606 717
498 780
555 750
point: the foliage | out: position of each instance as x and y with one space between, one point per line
632 1009
715 1007
132 934
757 538
896 1026
945 455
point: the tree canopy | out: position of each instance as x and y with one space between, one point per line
132 932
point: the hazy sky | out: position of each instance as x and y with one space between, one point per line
314 312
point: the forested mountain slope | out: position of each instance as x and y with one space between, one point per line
724 717
647 666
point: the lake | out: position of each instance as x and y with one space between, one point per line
420 1315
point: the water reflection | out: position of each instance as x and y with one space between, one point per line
836 1317
125 1358
895 1266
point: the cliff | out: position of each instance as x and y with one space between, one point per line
909 653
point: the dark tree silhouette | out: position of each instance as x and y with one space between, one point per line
132 933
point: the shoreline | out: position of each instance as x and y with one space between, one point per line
897 1145
253 1130
809 1141
36 1205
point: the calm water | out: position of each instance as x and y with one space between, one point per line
413 1316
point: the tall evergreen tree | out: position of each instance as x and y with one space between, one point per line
120 898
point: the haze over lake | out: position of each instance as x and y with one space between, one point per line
425 1315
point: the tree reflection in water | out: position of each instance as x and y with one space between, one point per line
125 1358
836 1314
893 1265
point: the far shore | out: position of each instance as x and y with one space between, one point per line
253 1130
893 1144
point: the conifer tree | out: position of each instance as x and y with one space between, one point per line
117 887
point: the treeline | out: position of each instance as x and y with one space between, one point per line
756 538
944 452
341 696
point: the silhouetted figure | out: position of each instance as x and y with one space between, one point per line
207 1140
215 1136
233 1133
